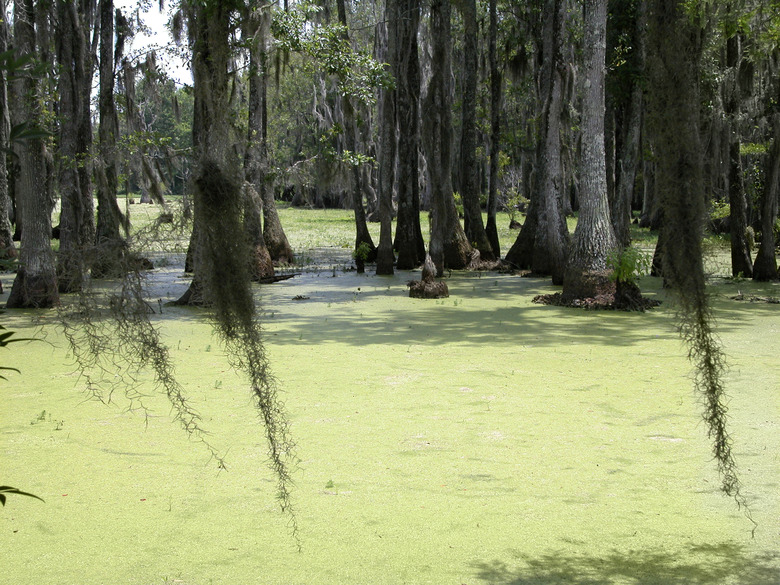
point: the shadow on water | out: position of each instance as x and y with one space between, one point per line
483 309
702 564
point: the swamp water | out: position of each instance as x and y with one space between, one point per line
471 440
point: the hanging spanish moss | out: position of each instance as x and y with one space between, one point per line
114 341
226 283
674 110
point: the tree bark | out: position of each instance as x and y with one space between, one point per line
35 285
387 148
273 233
741 260
221 260
449 247
469 177
547 230
110 247
495 132
77 227
673 63
628 164
586 268
765 267
7 248
408 236
362 235
256 153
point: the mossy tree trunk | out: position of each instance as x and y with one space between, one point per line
469 178
594 238
765 267
449 247
741 260
387 147
77 221
110 247
495 131
675 42
7 248
408 236
256 153
35 285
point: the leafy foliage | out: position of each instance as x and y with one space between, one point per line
628 264
7 489
358 74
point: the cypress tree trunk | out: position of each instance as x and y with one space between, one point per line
35 285
273 233
741 261
542 242
255 156
408 236
220 260
387 145
449 246
469 183
109 260
631 156
7 248
495 132
765 267
362 236
77 228
586 275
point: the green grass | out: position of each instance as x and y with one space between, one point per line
479 439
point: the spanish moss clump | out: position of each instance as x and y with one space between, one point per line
225 273
112 341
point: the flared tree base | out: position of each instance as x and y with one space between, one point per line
33 291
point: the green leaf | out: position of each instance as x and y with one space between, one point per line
7 489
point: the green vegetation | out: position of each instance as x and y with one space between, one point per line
629 265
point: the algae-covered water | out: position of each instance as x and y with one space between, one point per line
472 440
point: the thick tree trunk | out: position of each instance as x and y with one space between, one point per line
35 285
387 148
631 152
765 267
7 248
469 177
255 156
275 239
362 235
449 247
674 110
495 132
548 229
741 260
109 260
77 227
261 267
408 236
221 260
586 268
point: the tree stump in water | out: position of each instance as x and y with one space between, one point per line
428 287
